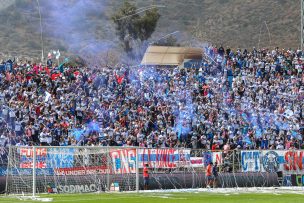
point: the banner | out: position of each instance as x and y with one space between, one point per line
217 157
124 160
60 157
207 156
26 157
90 170
163 158
250 161
197 162
293 162
3 156
288 162
297 180
272 161
47 157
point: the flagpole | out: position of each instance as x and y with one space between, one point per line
41 35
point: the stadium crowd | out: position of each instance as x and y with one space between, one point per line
234 100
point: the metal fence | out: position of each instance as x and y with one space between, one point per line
71 169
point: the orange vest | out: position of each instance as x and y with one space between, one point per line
146 172
209 170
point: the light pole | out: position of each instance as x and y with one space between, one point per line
302 21
140 10
164 37
41 35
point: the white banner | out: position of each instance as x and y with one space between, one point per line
217 157
287 161
197 162
250 161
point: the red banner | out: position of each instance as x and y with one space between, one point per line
293 161
164 158
26 157
28 152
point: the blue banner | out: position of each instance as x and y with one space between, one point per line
250 161
60 157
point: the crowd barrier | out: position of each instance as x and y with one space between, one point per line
170 168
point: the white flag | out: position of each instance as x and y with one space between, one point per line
57 54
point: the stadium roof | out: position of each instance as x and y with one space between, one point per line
163 55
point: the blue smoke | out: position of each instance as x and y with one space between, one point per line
79 133
74 23
92 127
185 115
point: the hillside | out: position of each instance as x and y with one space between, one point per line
85 26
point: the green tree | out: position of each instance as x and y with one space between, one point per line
130 25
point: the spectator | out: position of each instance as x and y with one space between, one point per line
209 175
238 99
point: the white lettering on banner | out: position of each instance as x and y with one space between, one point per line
28 152
250 161
77 188
26 157
82 170
60 157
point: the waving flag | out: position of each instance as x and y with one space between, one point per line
54 76
57 55
296 135
49 55
247 140
119 79
258 133
76 73
77 133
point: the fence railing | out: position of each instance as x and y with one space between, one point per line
88 169
286 161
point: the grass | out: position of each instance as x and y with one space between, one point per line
183 197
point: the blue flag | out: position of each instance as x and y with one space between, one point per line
247 140
77 133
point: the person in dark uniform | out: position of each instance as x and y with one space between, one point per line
215 175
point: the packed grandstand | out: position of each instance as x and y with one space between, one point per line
235 99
